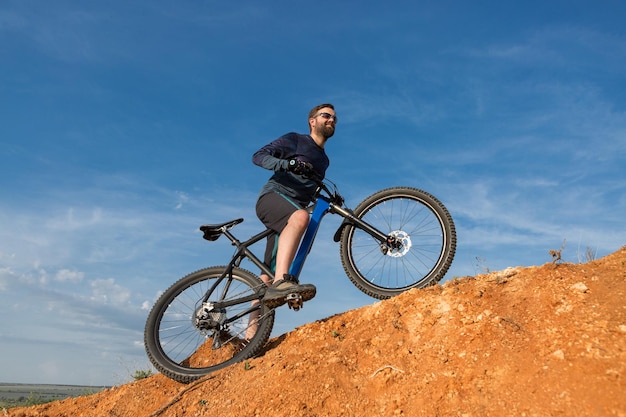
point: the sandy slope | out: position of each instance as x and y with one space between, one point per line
536 341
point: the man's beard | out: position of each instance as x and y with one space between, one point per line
326 131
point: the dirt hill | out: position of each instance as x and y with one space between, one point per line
536 341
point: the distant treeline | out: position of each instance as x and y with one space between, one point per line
24 395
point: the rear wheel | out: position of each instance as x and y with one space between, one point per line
186 339
424 242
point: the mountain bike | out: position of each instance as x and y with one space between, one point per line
396 239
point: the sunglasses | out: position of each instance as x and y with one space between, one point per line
327 116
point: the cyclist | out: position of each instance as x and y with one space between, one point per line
295 158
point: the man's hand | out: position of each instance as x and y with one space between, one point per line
299 167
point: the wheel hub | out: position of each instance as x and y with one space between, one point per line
208 318
402 246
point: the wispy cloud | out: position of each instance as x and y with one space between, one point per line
66 275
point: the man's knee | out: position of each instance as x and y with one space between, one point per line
299 219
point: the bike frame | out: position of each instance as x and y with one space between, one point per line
323 205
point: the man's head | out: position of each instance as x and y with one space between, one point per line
322 120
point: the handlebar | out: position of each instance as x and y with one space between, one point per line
329 188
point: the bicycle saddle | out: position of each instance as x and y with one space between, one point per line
213 231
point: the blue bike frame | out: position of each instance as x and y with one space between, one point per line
322 205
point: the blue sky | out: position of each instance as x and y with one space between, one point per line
126 125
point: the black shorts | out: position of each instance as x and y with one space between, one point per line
274 210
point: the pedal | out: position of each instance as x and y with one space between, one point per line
294 301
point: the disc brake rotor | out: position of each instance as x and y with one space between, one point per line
402 249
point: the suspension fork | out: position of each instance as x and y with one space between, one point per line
351 219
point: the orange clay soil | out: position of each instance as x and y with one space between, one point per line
536 341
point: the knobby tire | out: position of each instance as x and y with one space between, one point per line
424 226
183 352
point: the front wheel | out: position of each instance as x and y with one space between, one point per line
186 337
424 236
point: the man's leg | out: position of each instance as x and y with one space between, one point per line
278 213
253 321
289 241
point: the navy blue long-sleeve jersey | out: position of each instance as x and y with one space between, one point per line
275 156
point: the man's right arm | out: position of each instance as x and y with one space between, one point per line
275 155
